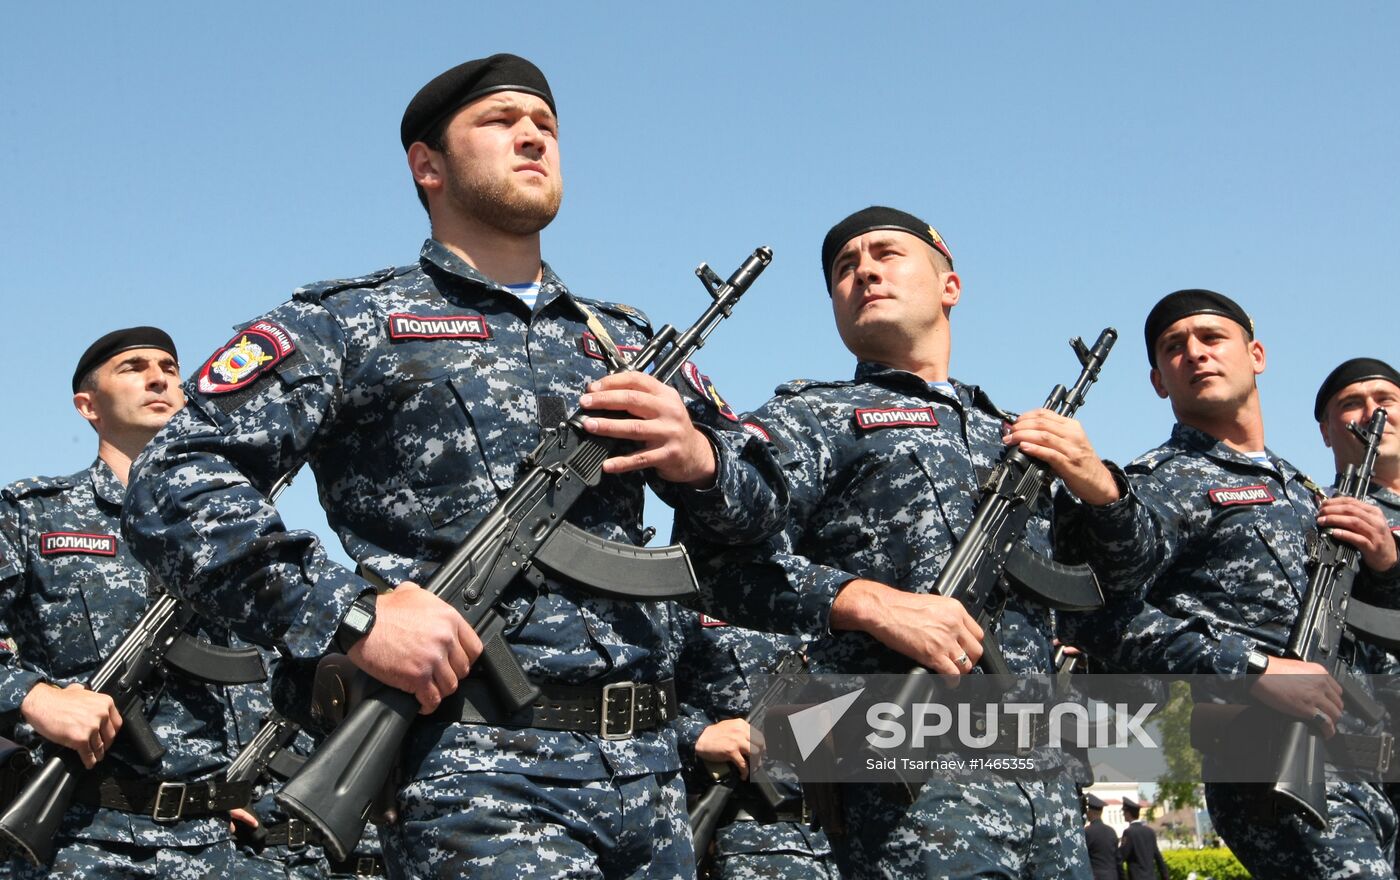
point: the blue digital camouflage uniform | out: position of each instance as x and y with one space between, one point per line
1231 567
883 473
715 666
1388 664
414 393
70 590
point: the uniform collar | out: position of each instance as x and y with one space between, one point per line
105 483
903 380
1199 441
440 256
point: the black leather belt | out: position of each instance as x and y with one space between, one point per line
163 801
1008 736
1362 752
357 866
612 711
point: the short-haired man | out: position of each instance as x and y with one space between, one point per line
883 474
1231 520
414 394
70 591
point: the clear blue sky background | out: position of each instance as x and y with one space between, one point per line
188 165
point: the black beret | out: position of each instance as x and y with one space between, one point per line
1354 370
1093 802
452 90
1185 303
118 341
870 219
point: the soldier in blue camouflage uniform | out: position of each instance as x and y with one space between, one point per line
70 590
1351 394
883 475
414 393
715 666
1231 519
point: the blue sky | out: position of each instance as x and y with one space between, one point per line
188 165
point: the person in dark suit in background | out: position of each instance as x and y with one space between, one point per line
1139 847
1102 842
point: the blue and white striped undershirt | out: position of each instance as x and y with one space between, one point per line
527 293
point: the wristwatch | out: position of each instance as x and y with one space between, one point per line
357 622
1256 663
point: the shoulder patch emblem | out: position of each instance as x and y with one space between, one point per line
406 326
589 343
60 543
706 389
757 430
246 357
707 620
896 417
1229 496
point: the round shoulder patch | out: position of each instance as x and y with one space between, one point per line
247 356
706 389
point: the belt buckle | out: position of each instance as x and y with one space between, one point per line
365 866
296 834
605 723
1383 759
164 792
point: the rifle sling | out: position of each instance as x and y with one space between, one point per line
630 708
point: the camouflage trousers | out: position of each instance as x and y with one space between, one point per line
1359 843
774 851
507 825
108 860
982 825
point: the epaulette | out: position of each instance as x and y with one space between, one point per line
322 289
36 486
1150 461
635 316
797 386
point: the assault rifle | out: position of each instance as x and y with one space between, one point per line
525 535
1317 637
992 549
265 757
158 641
706 814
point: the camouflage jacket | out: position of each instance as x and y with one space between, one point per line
414 393
1230 555
884 474
715 668
70 590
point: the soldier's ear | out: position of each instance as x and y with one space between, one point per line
1326 434
83 403
425 164
1155 377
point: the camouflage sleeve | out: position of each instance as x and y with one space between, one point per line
749 499
15 681
197 513
693 719
1118 540
773 586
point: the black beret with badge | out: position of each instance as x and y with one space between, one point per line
873 218
1350 372
1185 303
118 341
453 89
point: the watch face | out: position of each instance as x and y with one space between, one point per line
358 619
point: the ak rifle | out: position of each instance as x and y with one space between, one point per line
1317 637
992 550
525 535
707 812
